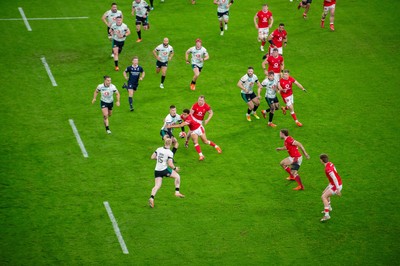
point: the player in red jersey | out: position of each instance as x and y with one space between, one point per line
334 187
294 160
263 20
278 39
285 88
275 63
199 111
306 5
329 6
197 130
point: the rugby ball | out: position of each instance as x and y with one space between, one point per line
182 134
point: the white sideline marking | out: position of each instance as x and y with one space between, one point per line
116 229
24 19
78 138
59 18
46 66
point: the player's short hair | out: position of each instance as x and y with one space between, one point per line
275 50
168 142
324 157
202 96
172 107
285 132
250 67
271 73
135 57
198 40
114 4
286 71
106 77
265 5
186 111
119 17
281 24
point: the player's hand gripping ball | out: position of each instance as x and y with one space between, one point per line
182 134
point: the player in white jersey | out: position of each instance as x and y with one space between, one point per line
107 91
199 55
167 133
142 10
110 16
119 32
223 13
164 168
271 85
163 53
246 84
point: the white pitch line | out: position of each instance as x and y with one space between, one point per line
24 18
116 228
60 18
78 138
46 66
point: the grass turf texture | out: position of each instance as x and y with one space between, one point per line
238 208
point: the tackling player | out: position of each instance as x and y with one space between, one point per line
166 133
197 131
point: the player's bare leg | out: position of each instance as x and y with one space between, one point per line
106 114
196 75
298 180
324 14
209 142
250 108
293 114
332 19
325 199
157 185
116 53
197 146
187 139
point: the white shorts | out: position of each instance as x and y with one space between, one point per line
331 188
199 131
289 100
277 77
328 8
280 50
263 33
299 160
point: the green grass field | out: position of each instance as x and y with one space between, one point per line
239 209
